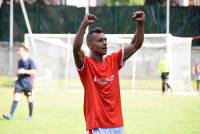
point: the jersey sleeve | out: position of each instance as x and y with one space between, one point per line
118 57
32 64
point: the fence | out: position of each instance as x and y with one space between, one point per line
184 21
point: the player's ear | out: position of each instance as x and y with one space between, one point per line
89 44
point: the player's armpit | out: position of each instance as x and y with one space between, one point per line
79 58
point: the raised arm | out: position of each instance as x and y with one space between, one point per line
78 53
137 40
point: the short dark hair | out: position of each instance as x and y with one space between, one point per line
24 47
96 30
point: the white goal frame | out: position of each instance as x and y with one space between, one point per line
123 39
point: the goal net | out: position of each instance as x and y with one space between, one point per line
56 69
52 55
143 67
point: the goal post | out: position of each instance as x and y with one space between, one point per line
179 52
51 53
56 66
144 64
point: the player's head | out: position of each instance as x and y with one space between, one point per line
22 51
97 41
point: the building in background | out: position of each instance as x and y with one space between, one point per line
94 3
194 2
84 3
174 2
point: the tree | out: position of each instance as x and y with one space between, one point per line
124 2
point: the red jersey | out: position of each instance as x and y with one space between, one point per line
102 101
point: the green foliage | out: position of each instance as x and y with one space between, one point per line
136 2
124 2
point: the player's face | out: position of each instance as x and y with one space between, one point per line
21 52
99 44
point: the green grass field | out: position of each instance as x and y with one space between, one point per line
61 112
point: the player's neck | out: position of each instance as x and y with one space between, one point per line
97 58
25 57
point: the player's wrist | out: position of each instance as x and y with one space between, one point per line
23 71
84 24
141 23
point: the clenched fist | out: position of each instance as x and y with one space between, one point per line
89 19
138 16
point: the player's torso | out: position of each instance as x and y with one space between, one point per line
102 73
24 64
102 94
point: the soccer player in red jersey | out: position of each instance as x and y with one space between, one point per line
99 75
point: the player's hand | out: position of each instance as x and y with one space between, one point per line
21 71
138 16
89 19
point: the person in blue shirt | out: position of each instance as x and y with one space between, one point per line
24 83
